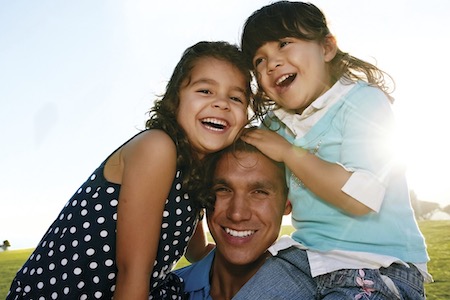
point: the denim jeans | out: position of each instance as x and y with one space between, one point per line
285 276
405 283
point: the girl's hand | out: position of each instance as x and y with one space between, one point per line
268 142
323 178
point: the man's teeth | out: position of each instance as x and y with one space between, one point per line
241 234
282 78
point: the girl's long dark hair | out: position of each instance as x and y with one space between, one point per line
306 22
164 113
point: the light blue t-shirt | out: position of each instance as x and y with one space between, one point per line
351 134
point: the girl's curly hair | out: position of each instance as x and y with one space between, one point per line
163 115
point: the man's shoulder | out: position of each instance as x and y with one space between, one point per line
196 276
286 251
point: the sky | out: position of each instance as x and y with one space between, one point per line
78 77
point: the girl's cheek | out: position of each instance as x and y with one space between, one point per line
263 80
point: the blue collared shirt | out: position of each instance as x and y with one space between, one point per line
196 278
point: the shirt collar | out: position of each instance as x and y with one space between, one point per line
340 88
202 268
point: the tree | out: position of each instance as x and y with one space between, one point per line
447 209
5 245
422 209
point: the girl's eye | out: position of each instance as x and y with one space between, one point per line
283 43
236 99
204 91
257 62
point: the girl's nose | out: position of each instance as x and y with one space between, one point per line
221 103
273 63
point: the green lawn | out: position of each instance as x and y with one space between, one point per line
438 240
436 234
10 262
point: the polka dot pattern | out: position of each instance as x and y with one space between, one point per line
76 257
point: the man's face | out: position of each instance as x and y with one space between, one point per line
250 203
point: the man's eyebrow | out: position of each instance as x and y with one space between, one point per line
264 184
261 184
220 181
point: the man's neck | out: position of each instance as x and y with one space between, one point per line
227 279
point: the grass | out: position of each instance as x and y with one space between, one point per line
435 232
10 262
438 241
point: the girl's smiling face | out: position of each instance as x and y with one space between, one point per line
213 105
294 72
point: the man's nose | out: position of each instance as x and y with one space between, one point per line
239 209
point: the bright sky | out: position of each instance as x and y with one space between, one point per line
77 78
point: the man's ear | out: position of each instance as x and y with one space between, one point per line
287 208
329 47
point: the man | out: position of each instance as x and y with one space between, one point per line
251 199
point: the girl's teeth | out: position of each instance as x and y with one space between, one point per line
214 124
283 78
215 121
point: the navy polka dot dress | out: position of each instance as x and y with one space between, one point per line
76 257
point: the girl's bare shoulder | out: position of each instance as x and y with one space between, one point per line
153 139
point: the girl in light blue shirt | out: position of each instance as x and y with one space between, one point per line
330 122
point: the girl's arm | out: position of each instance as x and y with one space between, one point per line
149 166
198 246
321 177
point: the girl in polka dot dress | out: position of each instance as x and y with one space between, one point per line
126 227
